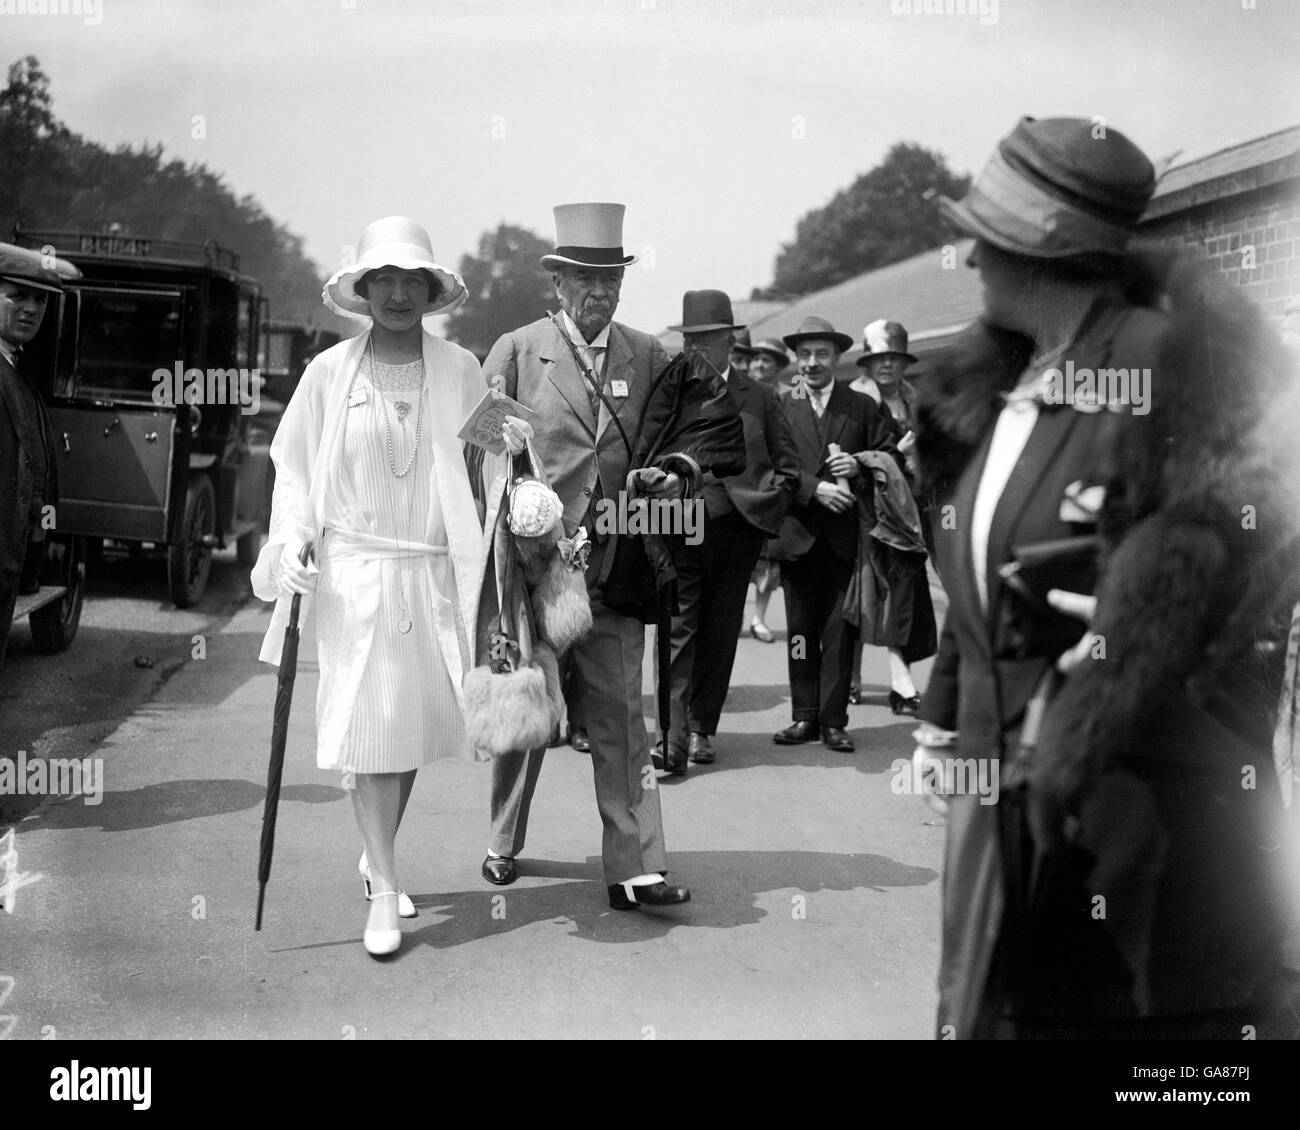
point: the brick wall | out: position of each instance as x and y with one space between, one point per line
1265 219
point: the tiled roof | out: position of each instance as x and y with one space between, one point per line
931 299
1238 168
1236 158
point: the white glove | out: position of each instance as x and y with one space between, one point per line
293 575
516 433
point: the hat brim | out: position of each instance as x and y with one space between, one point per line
959 214
862 361
550 262
781 359
708 328
32 284
340 295
843 341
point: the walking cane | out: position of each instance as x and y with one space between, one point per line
279 738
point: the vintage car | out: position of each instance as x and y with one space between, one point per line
149 364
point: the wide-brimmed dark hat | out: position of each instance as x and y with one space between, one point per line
881 338
1057 188
705 310
29 268
773 348
588 235
818 327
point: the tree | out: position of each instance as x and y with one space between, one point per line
507 288
53 178
885 215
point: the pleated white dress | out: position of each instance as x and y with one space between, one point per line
404 712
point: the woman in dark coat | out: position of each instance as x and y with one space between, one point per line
1126 881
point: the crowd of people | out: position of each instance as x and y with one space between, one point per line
1117 581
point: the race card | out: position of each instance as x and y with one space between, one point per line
483 426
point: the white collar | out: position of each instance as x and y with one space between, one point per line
10 352
601 340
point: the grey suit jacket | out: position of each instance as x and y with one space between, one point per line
584 454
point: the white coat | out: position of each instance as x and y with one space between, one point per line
306 501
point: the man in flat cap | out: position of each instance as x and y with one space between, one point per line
28 456
740 512
587 378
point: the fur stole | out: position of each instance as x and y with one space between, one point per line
1201 518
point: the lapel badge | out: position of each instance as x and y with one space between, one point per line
618 388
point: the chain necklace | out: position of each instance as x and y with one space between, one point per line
388 426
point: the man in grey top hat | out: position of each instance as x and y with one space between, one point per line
555 368
28 466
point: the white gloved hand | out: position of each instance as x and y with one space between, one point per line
516 433
294 576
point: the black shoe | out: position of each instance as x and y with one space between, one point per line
835 738
855 696
796 734
500 871
675 763
660 894
908 706
701 752
578 739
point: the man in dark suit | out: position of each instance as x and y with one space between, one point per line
580 443
818 542
740 512
28 457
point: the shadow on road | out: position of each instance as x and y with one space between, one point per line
725 888
169 802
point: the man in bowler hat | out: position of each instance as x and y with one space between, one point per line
581 447
740 512
818 541
28 456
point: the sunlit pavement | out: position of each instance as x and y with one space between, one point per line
815 887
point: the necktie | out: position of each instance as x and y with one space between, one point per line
819 403
593 355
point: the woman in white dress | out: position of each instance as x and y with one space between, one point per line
370 473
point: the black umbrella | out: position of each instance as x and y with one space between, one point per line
279 737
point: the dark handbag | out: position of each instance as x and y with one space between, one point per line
1027 626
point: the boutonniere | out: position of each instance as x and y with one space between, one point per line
1081 504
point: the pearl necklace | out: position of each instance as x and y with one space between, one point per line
388 426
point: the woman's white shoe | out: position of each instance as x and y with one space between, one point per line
405 907
381 942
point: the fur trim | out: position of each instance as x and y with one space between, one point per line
1201 523
515 712
561 605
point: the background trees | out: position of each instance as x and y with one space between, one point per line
53 178
885 215
507 288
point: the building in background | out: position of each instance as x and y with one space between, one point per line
1239 206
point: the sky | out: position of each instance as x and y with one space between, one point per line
718 123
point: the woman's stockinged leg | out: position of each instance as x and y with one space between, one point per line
407 783
378 801
900 675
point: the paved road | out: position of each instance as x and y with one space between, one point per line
815 907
